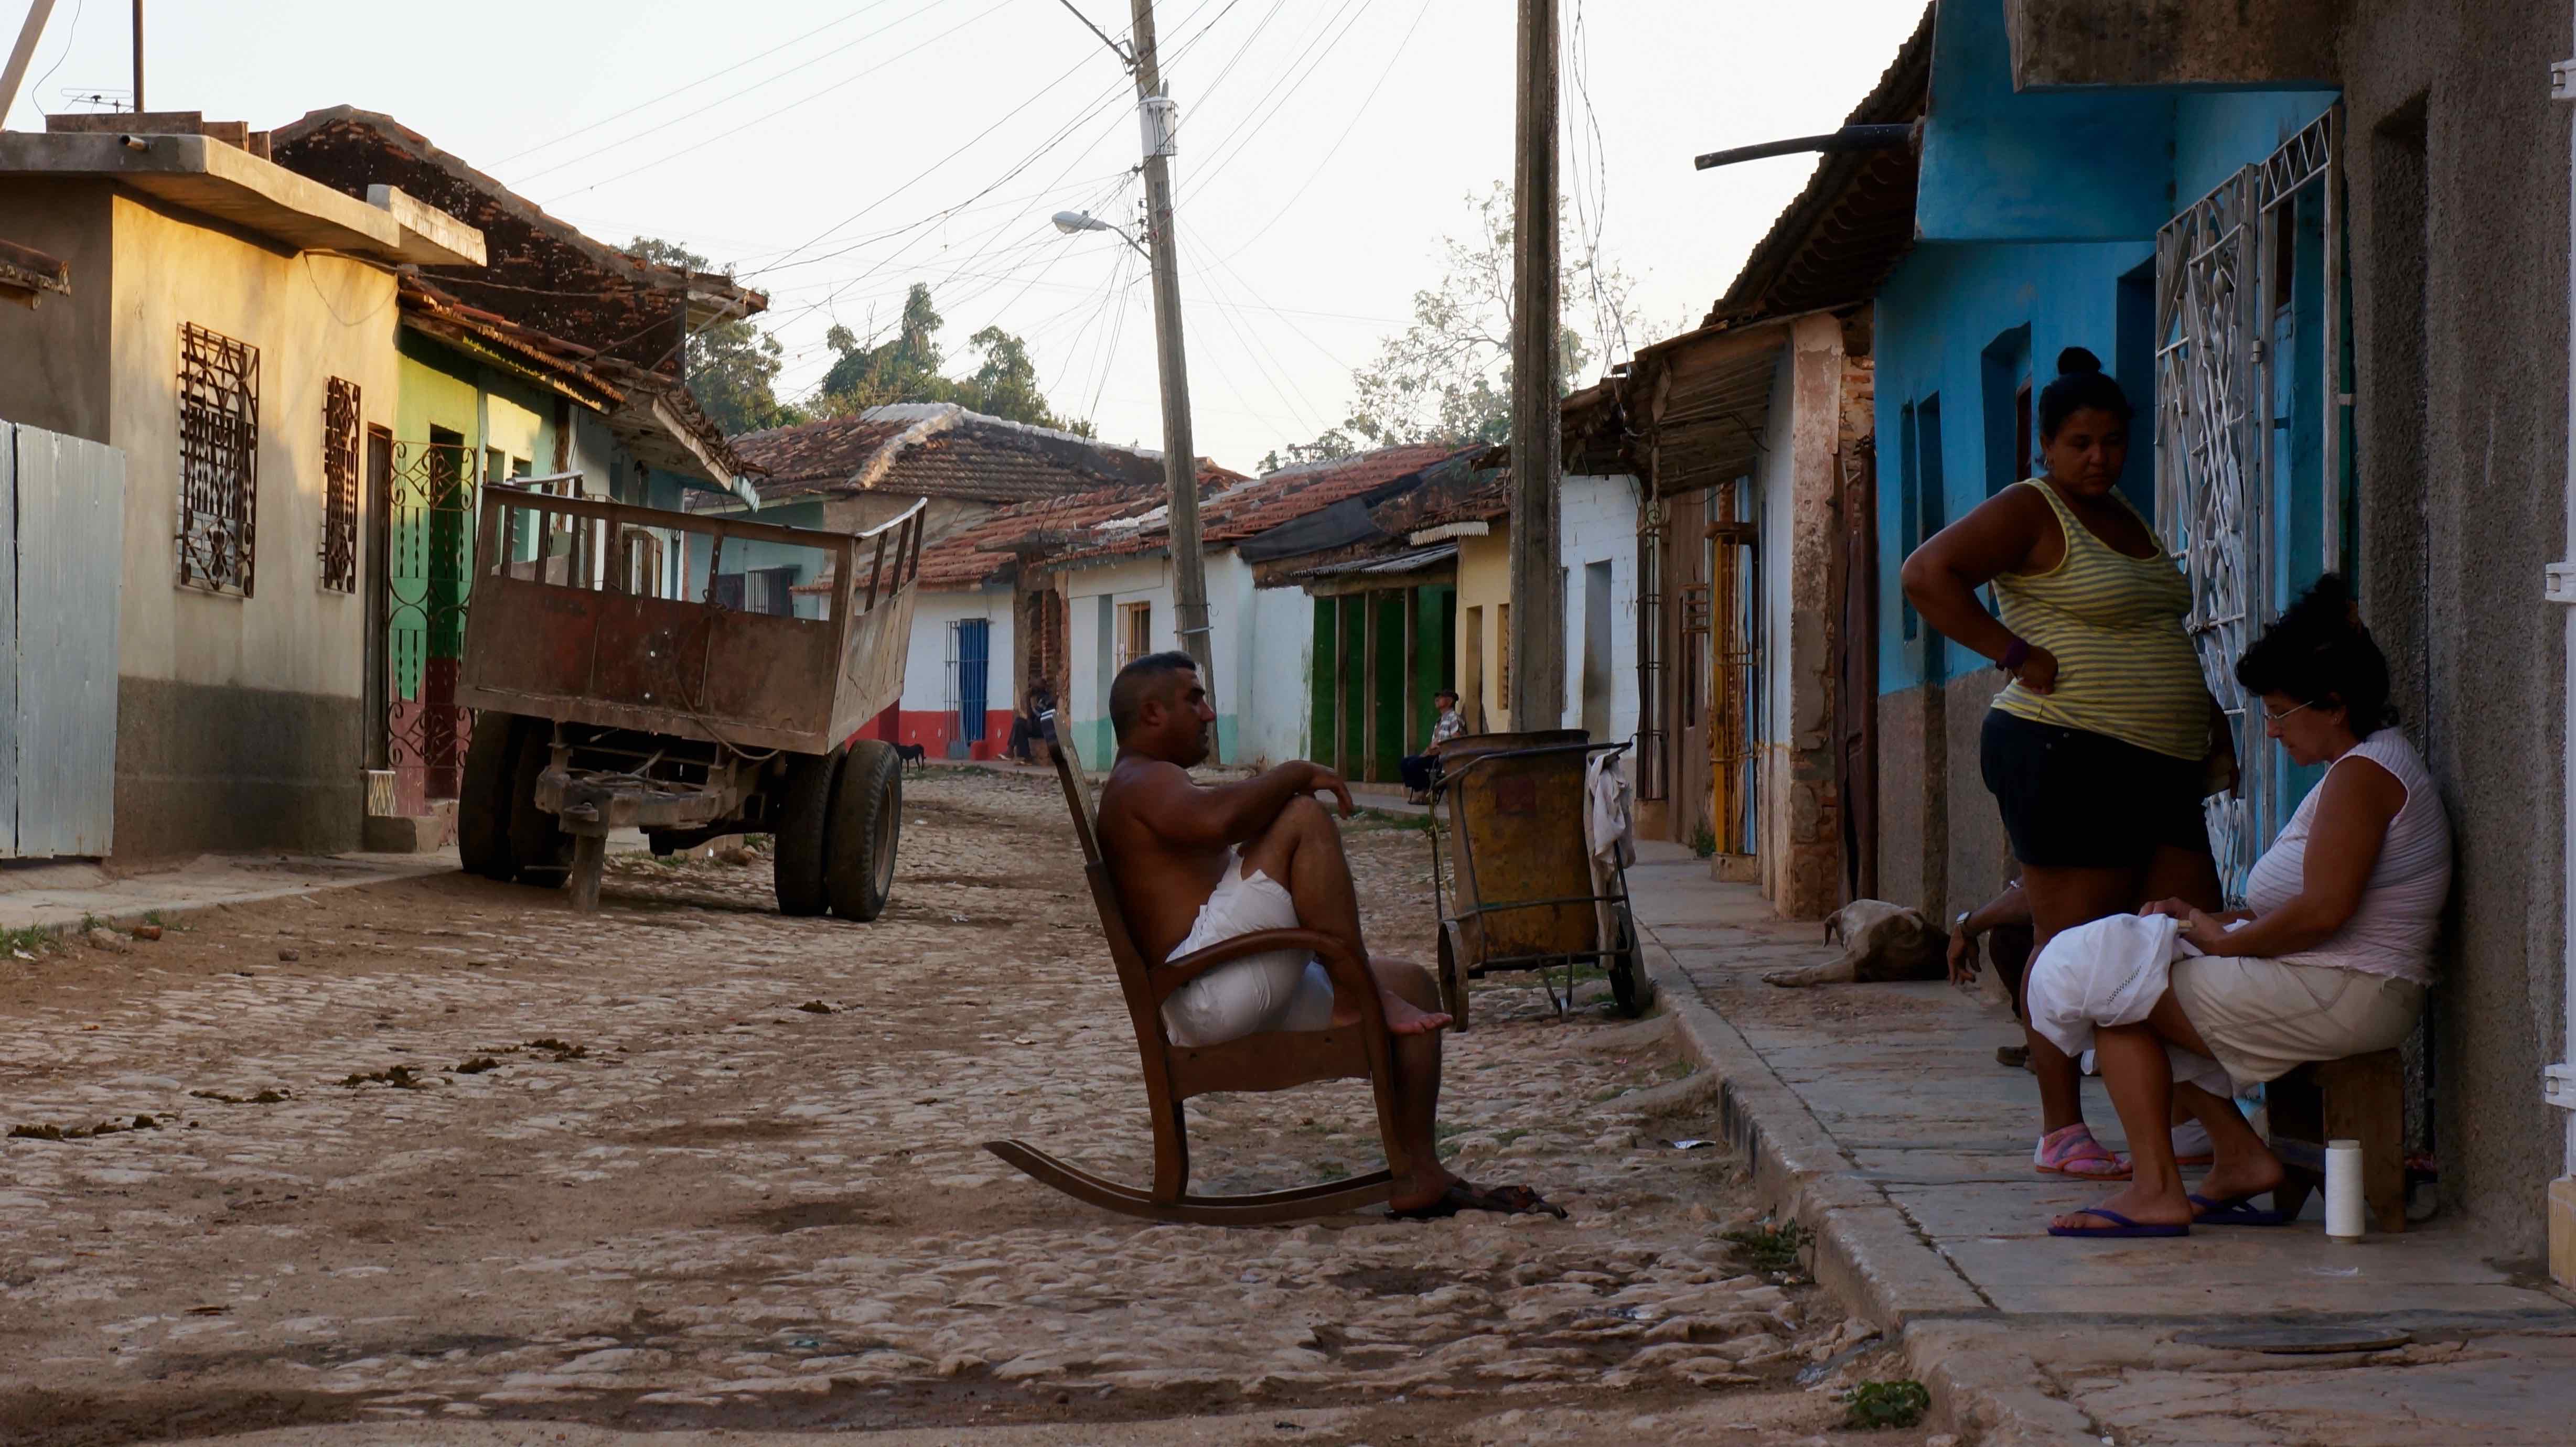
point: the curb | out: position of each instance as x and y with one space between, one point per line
137 913
1864 1249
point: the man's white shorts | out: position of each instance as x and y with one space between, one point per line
1282 990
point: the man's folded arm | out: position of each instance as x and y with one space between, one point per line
1164 800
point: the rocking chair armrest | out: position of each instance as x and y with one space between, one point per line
1171 975
1349 975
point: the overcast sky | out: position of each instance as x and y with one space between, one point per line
834 151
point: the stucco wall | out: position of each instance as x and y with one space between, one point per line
240 719
54 361
1484 585
1278 654
929 715
2459 159
1598 524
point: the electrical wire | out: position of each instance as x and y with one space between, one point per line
1283 90
71 33
704 79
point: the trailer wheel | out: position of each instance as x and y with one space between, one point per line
538 844
804 816
483 808
867 824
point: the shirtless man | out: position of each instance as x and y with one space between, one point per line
1195 865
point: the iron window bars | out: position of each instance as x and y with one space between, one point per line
218 460
339 547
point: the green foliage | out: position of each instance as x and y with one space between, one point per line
1769 1246
1448 376
1704 843
1873 1405
733 365
908 367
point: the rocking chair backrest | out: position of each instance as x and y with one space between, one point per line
1104 897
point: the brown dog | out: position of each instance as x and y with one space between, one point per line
1881 942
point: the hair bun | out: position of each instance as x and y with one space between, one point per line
2075 360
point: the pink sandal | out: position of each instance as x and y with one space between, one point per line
2074 1152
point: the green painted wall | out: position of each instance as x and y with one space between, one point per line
1319 680
1388 688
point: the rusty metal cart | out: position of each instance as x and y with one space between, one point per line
1519 889
604 704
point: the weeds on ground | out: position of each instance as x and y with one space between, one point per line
1872 1405
1372 820
1704 843
31 942
1768 1245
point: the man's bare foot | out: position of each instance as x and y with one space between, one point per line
2145 1207
1403 1017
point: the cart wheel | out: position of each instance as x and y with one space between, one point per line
483 811
538 844
867 824
804 812
1629 987
1453 981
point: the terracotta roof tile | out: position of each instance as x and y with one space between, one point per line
1243 509
937 450
989 551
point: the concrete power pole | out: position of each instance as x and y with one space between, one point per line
1180 457
22 54
1537 639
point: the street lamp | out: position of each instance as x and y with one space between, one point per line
1070 222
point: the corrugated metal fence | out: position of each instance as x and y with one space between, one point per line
62 553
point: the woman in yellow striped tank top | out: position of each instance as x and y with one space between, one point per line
2099 749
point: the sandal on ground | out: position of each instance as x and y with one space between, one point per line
1468 1196
2074 1152
2121 1226
2234 1212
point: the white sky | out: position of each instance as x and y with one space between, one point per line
856 146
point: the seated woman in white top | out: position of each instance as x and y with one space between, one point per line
2334 955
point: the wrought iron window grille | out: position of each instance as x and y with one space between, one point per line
218 461
339 545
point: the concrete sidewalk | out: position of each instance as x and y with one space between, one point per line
1878 1117
53 895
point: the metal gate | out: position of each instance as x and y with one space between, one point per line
62 554
971 642
2219 499
427 515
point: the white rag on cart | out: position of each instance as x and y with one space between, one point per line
2111 972
1609 832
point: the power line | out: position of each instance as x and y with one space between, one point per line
1241 136
704 79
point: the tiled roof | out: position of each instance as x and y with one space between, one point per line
1465 496
990 550
1237 512
938 450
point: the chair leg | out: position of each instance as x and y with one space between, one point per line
1171 1153
2365 1102
2296 1113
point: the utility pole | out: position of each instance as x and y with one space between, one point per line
138 56
1180 458
21 54
1537 639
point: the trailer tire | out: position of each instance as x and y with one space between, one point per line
804 818
539 845
483 810
867 827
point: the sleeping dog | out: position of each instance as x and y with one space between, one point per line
1881 942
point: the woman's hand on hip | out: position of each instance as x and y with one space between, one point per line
2038 672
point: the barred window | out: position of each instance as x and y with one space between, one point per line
218 460
340 486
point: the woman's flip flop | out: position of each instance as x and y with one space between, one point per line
2074 1152
2120 1226
2234 1212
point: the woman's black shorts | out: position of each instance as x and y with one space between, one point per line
2072 799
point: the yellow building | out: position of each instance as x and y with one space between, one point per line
231 328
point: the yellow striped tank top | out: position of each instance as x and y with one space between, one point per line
2125 667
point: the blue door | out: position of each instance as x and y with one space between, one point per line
973 644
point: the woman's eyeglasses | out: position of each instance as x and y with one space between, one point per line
2275 720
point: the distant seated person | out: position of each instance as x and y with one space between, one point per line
2331 959
1196 865
1420 769
1034 726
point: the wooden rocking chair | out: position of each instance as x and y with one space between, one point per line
1272 1060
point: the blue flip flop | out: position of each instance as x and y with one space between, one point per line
2234 1212
2121 1226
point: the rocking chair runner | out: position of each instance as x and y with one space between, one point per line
1272 1060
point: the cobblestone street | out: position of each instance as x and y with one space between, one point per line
443 1158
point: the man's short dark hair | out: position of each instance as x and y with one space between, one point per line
1438 694
1138 682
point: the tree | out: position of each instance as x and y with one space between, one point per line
732 364
1448 376
906 367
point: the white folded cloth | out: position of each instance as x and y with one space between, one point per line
2112 971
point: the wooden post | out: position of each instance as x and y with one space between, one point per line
1538 580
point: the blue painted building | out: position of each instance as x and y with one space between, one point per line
2038 215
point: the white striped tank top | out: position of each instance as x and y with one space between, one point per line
2393 929
2125 668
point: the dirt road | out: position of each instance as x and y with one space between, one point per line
442 1161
